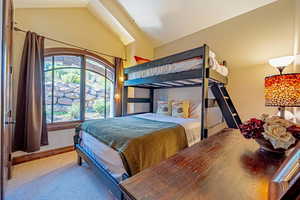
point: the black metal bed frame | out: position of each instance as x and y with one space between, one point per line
198 77
204 77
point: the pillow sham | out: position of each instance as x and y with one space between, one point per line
180 109
164 107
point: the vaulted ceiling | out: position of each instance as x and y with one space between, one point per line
162 20
167 20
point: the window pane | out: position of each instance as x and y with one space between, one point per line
109 98
95 66
48 63
110 74
66 105
94 96
67 61
99 68
48 95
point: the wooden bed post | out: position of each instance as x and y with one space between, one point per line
204 107
79 160
151 96
124 96
125 101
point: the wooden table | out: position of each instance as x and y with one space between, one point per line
226 166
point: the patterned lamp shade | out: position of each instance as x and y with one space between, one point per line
283 90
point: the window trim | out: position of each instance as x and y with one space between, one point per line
63 125
75 52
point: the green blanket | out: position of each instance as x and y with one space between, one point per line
141 143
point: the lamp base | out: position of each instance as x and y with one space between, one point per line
281 109
280 69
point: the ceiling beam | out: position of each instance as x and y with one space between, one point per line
103 14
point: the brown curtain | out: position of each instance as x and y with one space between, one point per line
119 73
31 127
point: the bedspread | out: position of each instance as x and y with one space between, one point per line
141 143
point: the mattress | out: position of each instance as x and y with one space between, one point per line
110 158
185 65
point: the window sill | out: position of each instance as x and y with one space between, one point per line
63 125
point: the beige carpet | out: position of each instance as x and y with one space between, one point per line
55 178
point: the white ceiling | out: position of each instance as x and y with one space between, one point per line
168 20
162 20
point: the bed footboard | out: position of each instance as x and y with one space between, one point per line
111 183
104 175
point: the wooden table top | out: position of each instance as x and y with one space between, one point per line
225 166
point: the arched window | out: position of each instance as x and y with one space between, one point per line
78 86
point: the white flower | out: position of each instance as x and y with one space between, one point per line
278 135
275 120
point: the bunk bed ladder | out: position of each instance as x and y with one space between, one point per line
225 103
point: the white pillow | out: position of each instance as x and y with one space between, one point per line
195 110
164 107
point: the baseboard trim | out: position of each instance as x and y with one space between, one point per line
39 155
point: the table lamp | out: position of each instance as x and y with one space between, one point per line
282 90
281 63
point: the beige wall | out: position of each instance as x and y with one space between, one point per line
80 27
142 46
247 42
246 88
297 36
73 25
77 26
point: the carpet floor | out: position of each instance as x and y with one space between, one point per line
56 178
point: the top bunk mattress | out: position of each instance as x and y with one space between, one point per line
186 65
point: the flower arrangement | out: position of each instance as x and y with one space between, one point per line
272 133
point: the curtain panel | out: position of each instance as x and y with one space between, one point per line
119 73
31 125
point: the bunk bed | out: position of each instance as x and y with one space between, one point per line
193 68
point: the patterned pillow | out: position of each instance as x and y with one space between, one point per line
180 109
163 107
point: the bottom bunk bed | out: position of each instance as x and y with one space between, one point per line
121 147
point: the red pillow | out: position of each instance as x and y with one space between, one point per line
141 60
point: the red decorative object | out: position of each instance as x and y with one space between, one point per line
141 60
253 128
295 130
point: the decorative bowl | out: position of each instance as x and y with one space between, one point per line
267 146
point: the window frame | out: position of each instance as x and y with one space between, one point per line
54 126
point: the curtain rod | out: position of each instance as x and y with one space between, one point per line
72 45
